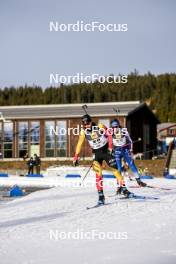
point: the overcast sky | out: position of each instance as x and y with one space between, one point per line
29 52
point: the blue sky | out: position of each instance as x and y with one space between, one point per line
29 52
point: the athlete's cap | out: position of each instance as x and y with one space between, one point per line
86 119
115 123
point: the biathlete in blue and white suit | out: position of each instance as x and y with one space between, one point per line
122 146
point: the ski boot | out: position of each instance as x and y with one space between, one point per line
101 198
127 193
141 183
119 190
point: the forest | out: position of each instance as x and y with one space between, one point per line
158 91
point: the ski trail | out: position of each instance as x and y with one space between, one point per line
26 223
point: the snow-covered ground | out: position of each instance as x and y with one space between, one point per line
53 226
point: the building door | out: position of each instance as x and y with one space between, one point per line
146 141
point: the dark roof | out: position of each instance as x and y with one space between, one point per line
142 106
67 110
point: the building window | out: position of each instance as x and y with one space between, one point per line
35 138
61 139
8 140
55 139
171 132
49 139
23 131
28 138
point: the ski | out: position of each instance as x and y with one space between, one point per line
140 197
159 188
153 187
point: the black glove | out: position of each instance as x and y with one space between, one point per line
75 163
111 152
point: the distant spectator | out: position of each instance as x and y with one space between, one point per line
37 163
1 156
30 164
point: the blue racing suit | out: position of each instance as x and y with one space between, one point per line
122 149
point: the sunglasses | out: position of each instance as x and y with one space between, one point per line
86 123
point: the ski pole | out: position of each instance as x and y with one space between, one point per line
116 110
86 174
133 142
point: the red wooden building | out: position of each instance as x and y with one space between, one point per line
28 128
